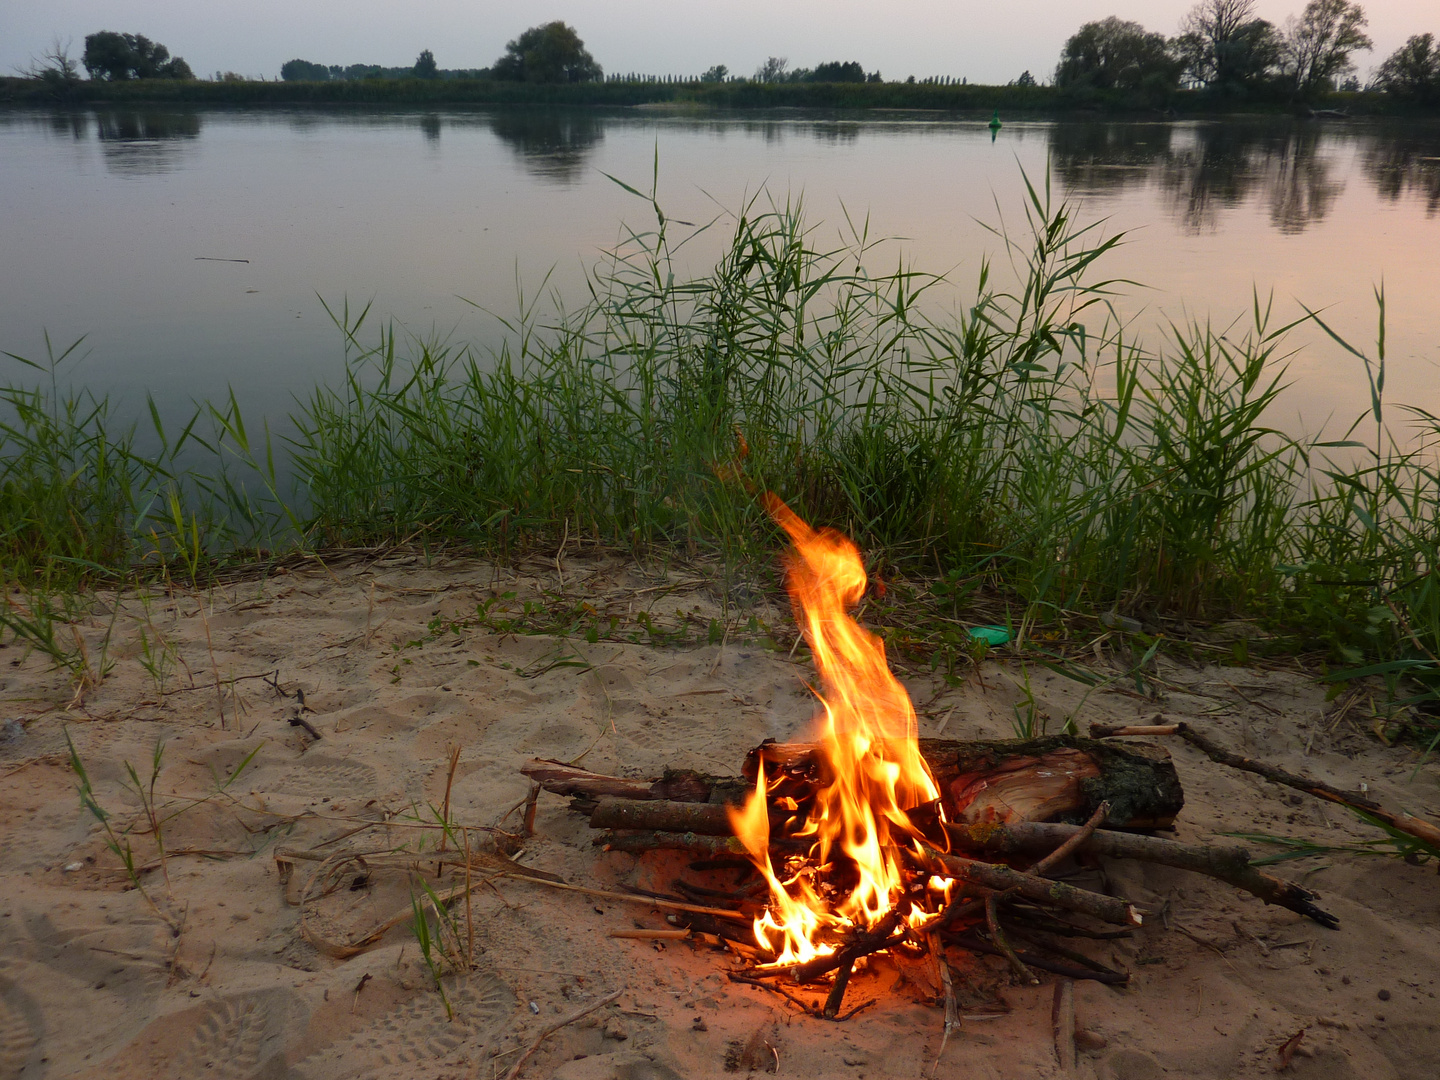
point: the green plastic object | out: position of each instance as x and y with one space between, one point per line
991 635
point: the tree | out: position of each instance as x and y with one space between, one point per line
838 71
1025 79
773 70
1317 46
1222 44
1412 72
425 65
118 57
304 71
1116 54
718 73
552 53
54 67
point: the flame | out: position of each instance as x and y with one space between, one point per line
868 732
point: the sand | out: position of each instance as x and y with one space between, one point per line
215 979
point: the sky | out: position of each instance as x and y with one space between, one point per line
982 40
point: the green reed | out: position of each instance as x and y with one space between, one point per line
1026 442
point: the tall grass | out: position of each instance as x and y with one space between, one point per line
1027 442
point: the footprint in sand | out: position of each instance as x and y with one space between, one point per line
236 1037
19 1034
229 1041
405 1043
327 776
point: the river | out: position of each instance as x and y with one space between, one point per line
192 250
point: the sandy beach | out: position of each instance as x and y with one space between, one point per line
204 970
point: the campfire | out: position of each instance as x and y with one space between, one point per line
862 807
871 842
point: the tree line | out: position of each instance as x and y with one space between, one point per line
1224 49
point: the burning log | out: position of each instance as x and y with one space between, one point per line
1060 777
1063 777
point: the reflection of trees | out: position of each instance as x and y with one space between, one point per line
74 124
145 142
1093 159
552 144
1204 168
1213 167
430 127
1402 162
1298 181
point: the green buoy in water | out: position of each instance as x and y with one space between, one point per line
995 121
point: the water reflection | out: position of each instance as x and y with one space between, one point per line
145 143
553 145
1205 169
1401 164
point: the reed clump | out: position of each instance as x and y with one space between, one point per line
1012 445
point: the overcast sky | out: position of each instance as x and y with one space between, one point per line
984 40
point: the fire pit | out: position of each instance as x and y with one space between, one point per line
863 841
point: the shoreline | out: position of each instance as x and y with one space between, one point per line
861 98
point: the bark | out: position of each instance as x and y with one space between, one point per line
1063 776
1055 893
1229 863
1417 827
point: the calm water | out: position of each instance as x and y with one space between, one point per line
110 222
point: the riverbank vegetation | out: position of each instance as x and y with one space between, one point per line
1027 454
1224 59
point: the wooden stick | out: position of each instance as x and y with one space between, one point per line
1417 827
995 876
952 1011
975 944
651 935
1106 731
1045 865
708 819
1229 863
580 1014
997 935
1062 1019
708 846
653 901
837 991
563 779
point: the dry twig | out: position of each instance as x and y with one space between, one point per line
577 1015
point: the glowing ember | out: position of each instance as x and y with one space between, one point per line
853 876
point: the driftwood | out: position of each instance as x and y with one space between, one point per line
1063 776
1229 863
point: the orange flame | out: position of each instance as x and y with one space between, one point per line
869 733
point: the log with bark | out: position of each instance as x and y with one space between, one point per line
1422 829
1229 863
1062 778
